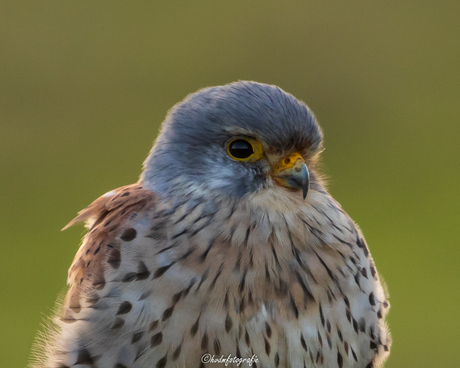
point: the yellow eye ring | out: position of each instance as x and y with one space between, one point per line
245 149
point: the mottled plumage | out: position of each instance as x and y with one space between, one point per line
209 254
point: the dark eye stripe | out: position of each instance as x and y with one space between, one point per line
240 149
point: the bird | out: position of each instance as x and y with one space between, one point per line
228 251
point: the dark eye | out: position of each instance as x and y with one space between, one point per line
240 149
245 149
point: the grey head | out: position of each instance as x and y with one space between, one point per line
191 151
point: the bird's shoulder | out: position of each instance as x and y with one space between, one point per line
108 220
117 203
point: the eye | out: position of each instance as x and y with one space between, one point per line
240 149
245 149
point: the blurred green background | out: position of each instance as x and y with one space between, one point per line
84 86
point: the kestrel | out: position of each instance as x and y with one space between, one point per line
228 247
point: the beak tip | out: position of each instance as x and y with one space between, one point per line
305 192
306 182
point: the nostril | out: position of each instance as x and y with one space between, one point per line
287 161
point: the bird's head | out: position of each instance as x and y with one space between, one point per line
236 140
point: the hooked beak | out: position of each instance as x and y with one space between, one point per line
292 172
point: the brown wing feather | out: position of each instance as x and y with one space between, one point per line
106 217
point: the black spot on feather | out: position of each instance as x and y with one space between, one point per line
204 342
156 339
153 325
114 259
129 234
372 299
124 308
339 360
228 323
176 352
267 347
303 343
194 328
167 313
119 322
162 362
159 272
136 337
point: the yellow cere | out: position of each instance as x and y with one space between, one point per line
288 161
